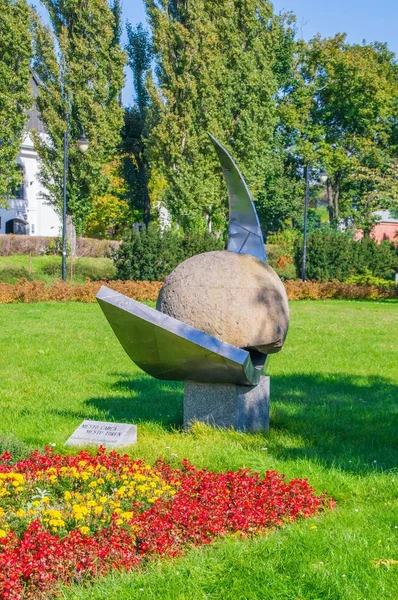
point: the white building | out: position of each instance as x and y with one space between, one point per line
27 212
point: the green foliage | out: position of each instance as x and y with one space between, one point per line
15 92
285 240
333 254
95 269
381 260
134 133
369 279
218 68
17 448
340 113
11 273
80 65
150 255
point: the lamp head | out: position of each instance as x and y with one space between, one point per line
83 143
323 176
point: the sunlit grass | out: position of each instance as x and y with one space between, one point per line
334 392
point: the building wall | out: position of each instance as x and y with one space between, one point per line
385 231
41 218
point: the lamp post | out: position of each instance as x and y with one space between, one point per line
83 145
307 197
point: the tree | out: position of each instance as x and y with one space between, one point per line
15 93
135 127
111 215
338 113
80 65
218 68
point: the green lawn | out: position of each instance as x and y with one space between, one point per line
48 268
334 393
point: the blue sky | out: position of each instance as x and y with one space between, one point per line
360 19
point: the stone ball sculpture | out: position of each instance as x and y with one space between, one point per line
236 298
219 314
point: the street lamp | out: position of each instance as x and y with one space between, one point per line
83 145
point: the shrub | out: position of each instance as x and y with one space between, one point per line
315 290
380 260
152 254
94 269
334 255
368 279
37 291
37 245
12 273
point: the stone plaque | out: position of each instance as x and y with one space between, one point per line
100 433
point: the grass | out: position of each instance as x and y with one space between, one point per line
334 391
48 268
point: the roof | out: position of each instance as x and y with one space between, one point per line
385 216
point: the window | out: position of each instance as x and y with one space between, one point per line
19 191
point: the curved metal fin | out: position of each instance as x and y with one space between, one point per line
245 234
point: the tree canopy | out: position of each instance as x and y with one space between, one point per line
339 113
15 93
218 69
80 65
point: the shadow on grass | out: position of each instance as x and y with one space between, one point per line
336 418
143 399
341 419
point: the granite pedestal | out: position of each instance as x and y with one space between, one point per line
245 408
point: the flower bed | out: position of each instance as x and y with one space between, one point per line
66 519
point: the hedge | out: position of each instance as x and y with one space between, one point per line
37 291
37 245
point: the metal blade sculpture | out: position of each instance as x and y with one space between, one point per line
168 348
245 233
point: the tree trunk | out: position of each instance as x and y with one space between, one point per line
71 235
333 195
147 200
329 194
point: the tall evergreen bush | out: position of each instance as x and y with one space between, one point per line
333 255
151 255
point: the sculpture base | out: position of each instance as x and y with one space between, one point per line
245 408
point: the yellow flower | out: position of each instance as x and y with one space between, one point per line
20 513
2 533
84 530
103 499
67 495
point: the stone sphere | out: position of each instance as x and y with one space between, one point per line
236 298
